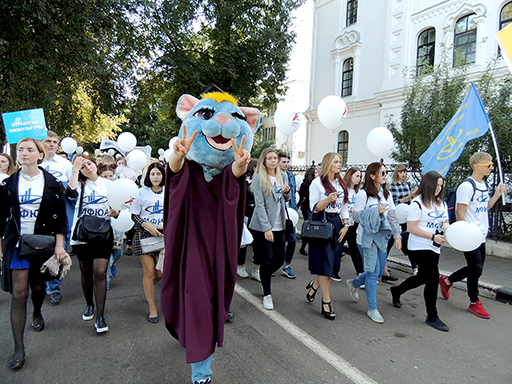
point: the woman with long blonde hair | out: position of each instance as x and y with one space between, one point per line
271 191
328 197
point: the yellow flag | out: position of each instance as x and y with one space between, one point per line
504 38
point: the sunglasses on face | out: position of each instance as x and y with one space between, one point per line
383 173
487 165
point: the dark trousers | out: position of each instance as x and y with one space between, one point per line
428 275
291 242
241 255
271 255
357 260
306 213
471 272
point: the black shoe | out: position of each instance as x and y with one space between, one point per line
385 278
336 277
153 320
230 316
311 297
330 313
205 381
436 323
395 298
17 363
89 313
55 298
303 252
101 326
38 323
129 251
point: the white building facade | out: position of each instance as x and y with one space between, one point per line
362 48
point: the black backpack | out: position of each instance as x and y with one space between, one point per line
451 200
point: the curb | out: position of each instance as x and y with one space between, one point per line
491 291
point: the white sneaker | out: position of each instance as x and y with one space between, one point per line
240 271
267 302
255 274
374 314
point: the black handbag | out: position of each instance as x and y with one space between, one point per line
317 230
92 229
288 224
37 247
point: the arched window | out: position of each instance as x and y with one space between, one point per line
351 12
343 146
464 43
346 77
426 50
505 18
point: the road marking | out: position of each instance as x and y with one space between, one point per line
314 345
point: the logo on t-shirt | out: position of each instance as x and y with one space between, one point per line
156 209
436 214
278 190
54 173
483 198
27 203
93 199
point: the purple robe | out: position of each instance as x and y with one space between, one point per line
202 227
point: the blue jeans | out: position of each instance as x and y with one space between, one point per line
202 370
370 278
291 242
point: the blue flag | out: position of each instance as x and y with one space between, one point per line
469 122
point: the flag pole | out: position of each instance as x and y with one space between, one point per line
497 150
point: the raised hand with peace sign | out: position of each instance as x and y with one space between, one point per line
181 148
242 158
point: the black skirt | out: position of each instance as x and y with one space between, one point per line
322 253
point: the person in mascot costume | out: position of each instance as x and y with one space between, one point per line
203 221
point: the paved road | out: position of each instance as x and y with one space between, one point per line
292 344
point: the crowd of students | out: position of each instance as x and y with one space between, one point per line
47 194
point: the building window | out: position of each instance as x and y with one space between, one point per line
426 50
346 77
343 146
351 12
268 134
464 45
505 18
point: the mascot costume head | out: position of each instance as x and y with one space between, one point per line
217 118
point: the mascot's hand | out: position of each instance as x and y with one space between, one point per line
242 158
182 146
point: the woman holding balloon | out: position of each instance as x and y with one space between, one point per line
427 219
147 212
91 191
375 212
328 197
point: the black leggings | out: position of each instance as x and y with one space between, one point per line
272 256
471 272
428 275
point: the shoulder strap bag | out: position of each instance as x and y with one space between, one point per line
317 230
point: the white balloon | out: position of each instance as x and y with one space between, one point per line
464 236
124 221
161 151
126 141
68 145
286 120
161 157
379 141
136 160
298 180
167 154
401 212
111 152
171 143
79 150
294 216
332 111
297 197
122 194
97 152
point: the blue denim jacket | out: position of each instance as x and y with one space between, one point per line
376 233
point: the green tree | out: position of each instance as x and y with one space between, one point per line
50 49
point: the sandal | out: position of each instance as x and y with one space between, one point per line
311 297
328 314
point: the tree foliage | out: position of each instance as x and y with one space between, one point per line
431 100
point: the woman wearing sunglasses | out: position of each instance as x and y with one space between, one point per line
374 210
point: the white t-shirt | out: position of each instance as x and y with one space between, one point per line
95 202
363 202
477 211
278 190
429 220
317 193
58 167
30 194
149 206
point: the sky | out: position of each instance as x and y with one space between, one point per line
300 60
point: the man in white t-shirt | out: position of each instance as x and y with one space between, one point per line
473 205
60 168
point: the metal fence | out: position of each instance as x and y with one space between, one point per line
500 216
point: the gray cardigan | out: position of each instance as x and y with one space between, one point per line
265 210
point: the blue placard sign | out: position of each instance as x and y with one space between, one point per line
21 124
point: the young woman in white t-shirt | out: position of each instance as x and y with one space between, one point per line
427 219
148 213
328 197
